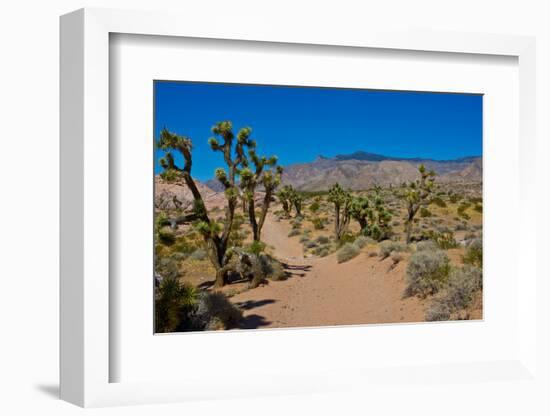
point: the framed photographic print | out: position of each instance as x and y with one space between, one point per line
332 200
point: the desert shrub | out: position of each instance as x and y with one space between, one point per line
322 251
174 303
454 198
461 210
426 245
323 239
387 247
444 240
373 254
474 253
168 267
272 268
396 223
478 208
347 252
199 254
396 257
215 311
182 245
439 202
166 236
256 247
461 227
296 223
427 272
438 311
304 238
314 207
459 293
425 212
294 232
362 241
318 223
310 244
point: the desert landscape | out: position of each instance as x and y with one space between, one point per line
354 239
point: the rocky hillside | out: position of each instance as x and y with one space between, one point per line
361 170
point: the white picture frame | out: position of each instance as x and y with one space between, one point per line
85 220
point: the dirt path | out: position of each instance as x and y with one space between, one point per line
319 291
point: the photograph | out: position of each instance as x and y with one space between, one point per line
285 206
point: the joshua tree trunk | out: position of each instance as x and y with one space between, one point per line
409 223
263 213
337 221
252 218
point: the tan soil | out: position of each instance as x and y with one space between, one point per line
319 291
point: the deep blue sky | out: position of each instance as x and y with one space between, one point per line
299 123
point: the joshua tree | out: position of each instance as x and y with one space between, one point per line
284 196
265 173
215 237
372 215
361 211
418 194
342 201
296 201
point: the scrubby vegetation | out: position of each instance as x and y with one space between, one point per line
206 253
347 252
427 272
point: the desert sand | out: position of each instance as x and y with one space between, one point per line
320 292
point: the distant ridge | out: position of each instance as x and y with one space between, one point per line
374 157
362 170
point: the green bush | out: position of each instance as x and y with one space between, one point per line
314 207
174 303
474 253
256 247
439 202
166 236
347 252
425 212
388 247
427 272
318 223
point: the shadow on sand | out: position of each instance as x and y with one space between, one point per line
251 304
295 270
253 322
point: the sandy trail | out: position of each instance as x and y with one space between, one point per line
319 291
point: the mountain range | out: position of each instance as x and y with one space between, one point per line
362 170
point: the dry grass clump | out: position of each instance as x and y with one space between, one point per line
347 252
427 272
